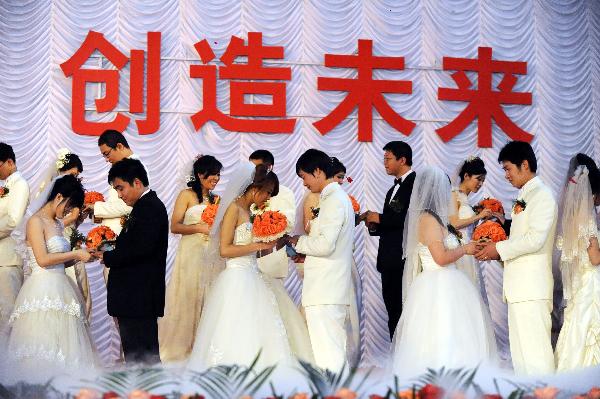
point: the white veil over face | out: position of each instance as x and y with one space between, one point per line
577 224
432 194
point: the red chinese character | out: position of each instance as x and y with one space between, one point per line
253 69
364 91
72 67
484 102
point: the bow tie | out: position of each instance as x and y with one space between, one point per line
397 181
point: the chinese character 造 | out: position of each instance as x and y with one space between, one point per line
250 72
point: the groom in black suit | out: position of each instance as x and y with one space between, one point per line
389 226
136 283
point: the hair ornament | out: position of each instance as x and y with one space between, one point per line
62 158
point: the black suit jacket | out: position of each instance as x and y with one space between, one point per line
136 282
391 225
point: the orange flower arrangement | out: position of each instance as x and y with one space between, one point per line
91 197
209 213
489 203
99 236
269 226
3 191
355 204
489 230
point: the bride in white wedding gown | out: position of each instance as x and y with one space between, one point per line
444 321
242 315
48 330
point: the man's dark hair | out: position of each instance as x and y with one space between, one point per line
6 153
263 155
128 170
400 149
111 138
312 160
516 152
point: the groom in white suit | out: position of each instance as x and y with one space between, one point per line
328 261
527 257
13 203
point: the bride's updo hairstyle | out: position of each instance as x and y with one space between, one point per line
472 166
593 172
71 161
264 180
71 190
204 166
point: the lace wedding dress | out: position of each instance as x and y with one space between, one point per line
49 332
579 340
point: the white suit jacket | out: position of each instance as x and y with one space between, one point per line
527 254
328 250
113 208
285 202
12 210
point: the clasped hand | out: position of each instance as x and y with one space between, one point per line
486 250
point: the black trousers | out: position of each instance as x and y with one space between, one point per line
139 337
391 289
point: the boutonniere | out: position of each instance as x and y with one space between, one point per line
314 211
519 206
396 206
4 191
125 221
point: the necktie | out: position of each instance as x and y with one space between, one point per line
397 181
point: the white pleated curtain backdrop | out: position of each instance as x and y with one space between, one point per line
559 39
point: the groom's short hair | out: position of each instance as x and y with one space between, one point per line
400 149
128 170
6 153
516 152
111 138
312 160
263 155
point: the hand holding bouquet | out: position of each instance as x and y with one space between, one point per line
269 226
489 231
101 238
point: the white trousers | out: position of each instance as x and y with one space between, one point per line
529 328
327 331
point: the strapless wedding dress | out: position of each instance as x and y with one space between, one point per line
49 333
241 317
444 322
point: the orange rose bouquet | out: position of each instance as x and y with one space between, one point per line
91 197
489 203
489 231
101 238
209 213
269 226
355 204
